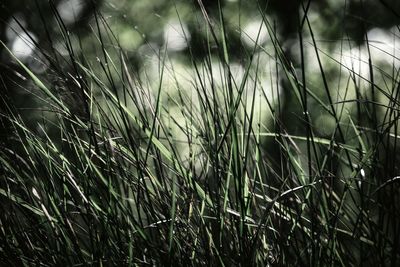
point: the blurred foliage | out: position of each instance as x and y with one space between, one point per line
142 26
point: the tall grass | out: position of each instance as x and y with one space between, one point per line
219 168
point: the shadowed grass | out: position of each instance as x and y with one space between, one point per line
152 169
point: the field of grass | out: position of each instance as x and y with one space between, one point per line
287 157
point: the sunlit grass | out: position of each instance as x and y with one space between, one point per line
275 159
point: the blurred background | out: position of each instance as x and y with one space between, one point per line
348 35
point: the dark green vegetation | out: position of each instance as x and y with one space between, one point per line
236 150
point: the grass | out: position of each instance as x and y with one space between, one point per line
116 168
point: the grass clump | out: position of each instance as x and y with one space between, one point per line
207 161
